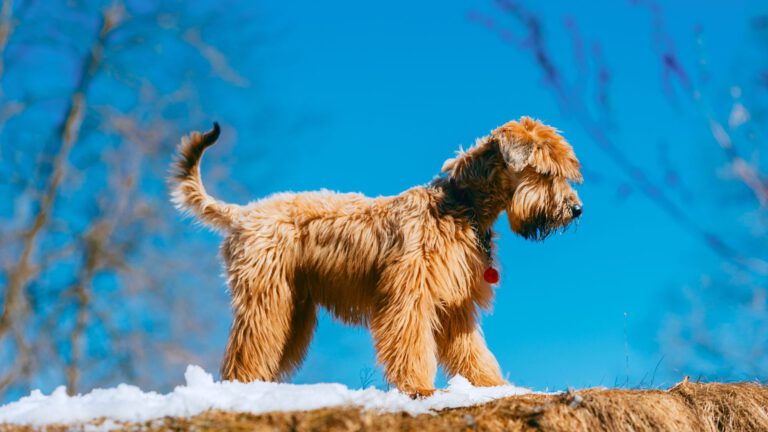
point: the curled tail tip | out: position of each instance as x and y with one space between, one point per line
191 150
212 135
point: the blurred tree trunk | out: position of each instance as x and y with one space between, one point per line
92 258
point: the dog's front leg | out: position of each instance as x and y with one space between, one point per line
461 347
402 330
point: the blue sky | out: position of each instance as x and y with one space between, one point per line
373 98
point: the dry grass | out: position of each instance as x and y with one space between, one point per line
684 407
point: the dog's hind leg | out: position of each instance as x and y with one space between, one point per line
256 340
461 348
263 306
402 328
303 324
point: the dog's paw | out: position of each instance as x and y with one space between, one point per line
420 393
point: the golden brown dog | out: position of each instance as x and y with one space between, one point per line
411 267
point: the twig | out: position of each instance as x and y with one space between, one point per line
15 305
535 44
6 28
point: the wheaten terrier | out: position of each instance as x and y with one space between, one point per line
415 268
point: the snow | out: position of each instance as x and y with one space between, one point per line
129 403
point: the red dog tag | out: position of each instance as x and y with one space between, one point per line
491 275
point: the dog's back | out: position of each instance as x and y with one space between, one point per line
331 243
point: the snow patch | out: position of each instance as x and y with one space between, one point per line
126 403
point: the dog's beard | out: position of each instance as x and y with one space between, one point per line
539 227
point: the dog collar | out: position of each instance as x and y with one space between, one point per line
484 241
484 238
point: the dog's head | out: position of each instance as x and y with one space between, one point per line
540 169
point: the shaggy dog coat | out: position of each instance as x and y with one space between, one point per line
410 267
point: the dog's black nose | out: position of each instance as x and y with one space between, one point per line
576 210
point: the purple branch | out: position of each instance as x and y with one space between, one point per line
535 45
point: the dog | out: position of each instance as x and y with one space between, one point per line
415 268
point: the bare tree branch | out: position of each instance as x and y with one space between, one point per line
535 44
215 58
89 269
15 305
6 28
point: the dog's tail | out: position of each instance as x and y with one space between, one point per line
187 190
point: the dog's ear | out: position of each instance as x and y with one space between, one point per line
529 142
516 150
